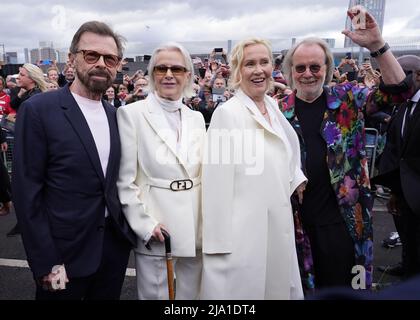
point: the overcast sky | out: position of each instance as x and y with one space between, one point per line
25 23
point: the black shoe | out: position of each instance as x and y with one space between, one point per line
393 270
14 232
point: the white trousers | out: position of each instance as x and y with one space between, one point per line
152 280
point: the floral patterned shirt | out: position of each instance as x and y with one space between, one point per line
342 129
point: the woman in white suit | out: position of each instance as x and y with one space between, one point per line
160 176
253 168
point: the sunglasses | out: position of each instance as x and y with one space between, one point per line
175 70
91 57
314 68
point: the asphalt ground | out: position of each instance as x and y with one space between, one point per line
16 282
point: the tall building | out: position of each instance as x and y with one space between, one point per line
47 50
3 54
375 7
62 56
11 57
35 57
48 53
26 50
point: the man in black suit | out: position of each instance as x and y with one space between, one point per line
400 166
66 162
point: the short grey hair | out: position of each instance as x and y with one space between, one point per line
173 46
288 60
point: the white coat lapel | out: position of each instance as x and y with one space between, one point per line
256 114
159 124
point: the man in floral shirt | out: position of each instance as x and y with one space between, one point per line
336 208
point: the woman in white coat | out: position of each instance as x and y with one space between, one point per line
252 169
160 176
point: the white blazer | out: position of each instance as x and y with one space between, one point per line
248 233
150 163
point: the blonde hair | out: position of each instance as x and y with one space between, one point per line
237 58
52 69
36 74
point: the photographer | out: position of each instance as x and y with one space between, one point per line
219 93
349 67
219 55
141 91
123 94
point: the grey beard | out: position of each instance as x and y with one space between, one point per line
97 87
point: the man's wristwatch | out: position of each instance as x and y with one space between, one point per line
380 51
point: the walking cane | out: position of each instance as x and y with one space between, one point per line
169 264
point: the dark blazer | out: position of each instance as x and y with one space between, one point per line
59 189
117 103
15 101
400 163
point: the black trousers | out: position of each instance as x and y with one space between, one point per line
399 226
5 190
410 238
106 283
333 255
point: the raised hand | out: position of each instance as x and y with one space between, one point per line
366 31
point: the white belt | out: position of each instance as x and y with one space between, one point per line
174 185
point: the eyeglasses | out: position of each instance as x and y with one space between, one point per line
175 70
314 68
91 57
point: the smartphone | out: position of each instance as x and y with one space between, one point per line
218 49
348 55
202 72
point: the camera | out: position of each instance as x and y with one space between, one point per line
218 94
218 55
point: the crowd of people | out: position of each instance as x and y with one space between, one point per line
265 191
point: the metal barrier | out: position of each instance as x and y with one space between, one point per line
7 156
372 136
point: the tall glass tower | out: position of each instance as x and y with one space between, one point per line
375 7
